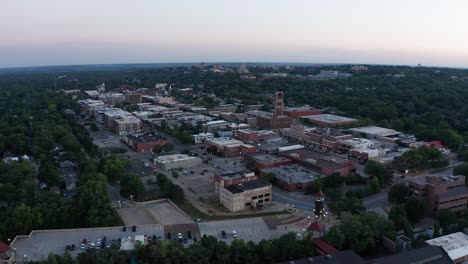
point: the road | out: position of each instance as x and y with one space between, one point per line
296 199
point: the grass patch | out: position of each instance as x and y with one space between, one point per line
194 213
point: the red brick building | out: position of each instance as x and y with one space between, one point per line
441 193
145 143
248 135
320 162
301 111
265 161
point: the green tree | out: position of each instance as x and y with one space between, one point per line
398 193
398 216
416 209
131 185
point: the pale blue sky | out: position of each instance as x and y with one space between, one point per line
58 32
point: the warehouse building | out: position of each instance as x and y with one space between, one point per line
176 161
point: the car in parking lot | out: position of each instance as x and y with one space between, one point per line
234 234
223 234
92 245
83 246
179 236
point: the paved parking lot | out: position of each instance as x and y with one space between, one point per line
160 212
40 243
248 229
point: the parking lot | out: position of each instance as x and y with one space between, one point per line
248 229
159 212
40 243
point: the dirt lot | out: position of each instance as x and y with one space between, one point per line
160 212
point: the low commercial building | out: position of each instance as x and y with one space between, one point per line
90 107
201 137
441 192
146 142
265 161
215 125
251 136
230 147
301 111
176 161
328 120
320 162
455 245
235 127
133 98
375 131
315 137
424 255
125 125
232 178
293 177
245 195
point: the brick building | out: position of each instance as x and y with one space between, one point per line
133 98
146 142
248 135
441 192
293 178
265 161
230 147
301 111
315 137
320 162
327 120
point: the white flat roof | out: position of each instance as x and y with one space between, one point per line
375 130
330 118
456 244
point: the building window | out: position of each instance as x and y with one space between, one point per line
260 201
260 196
267 194
267 199
254 197
247 204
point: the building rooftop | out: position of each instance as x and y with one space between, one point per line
266 158
246 186
318 158
330 119
225 141
452 192
146 138
293 173
236 175
426 255
341 257
377 131
456 244
173 157
436 179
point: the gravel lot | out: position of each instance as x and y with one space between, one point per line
161 212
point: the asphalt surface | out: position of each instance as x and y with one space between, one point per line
293 199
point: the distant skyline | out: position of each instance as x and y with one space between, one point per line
55 32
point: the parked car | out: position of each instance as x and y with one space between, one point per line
234 234
223 234
72 247
83 246
98 242
179 236
92 245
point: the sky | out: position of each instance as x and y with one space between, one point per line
409 32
